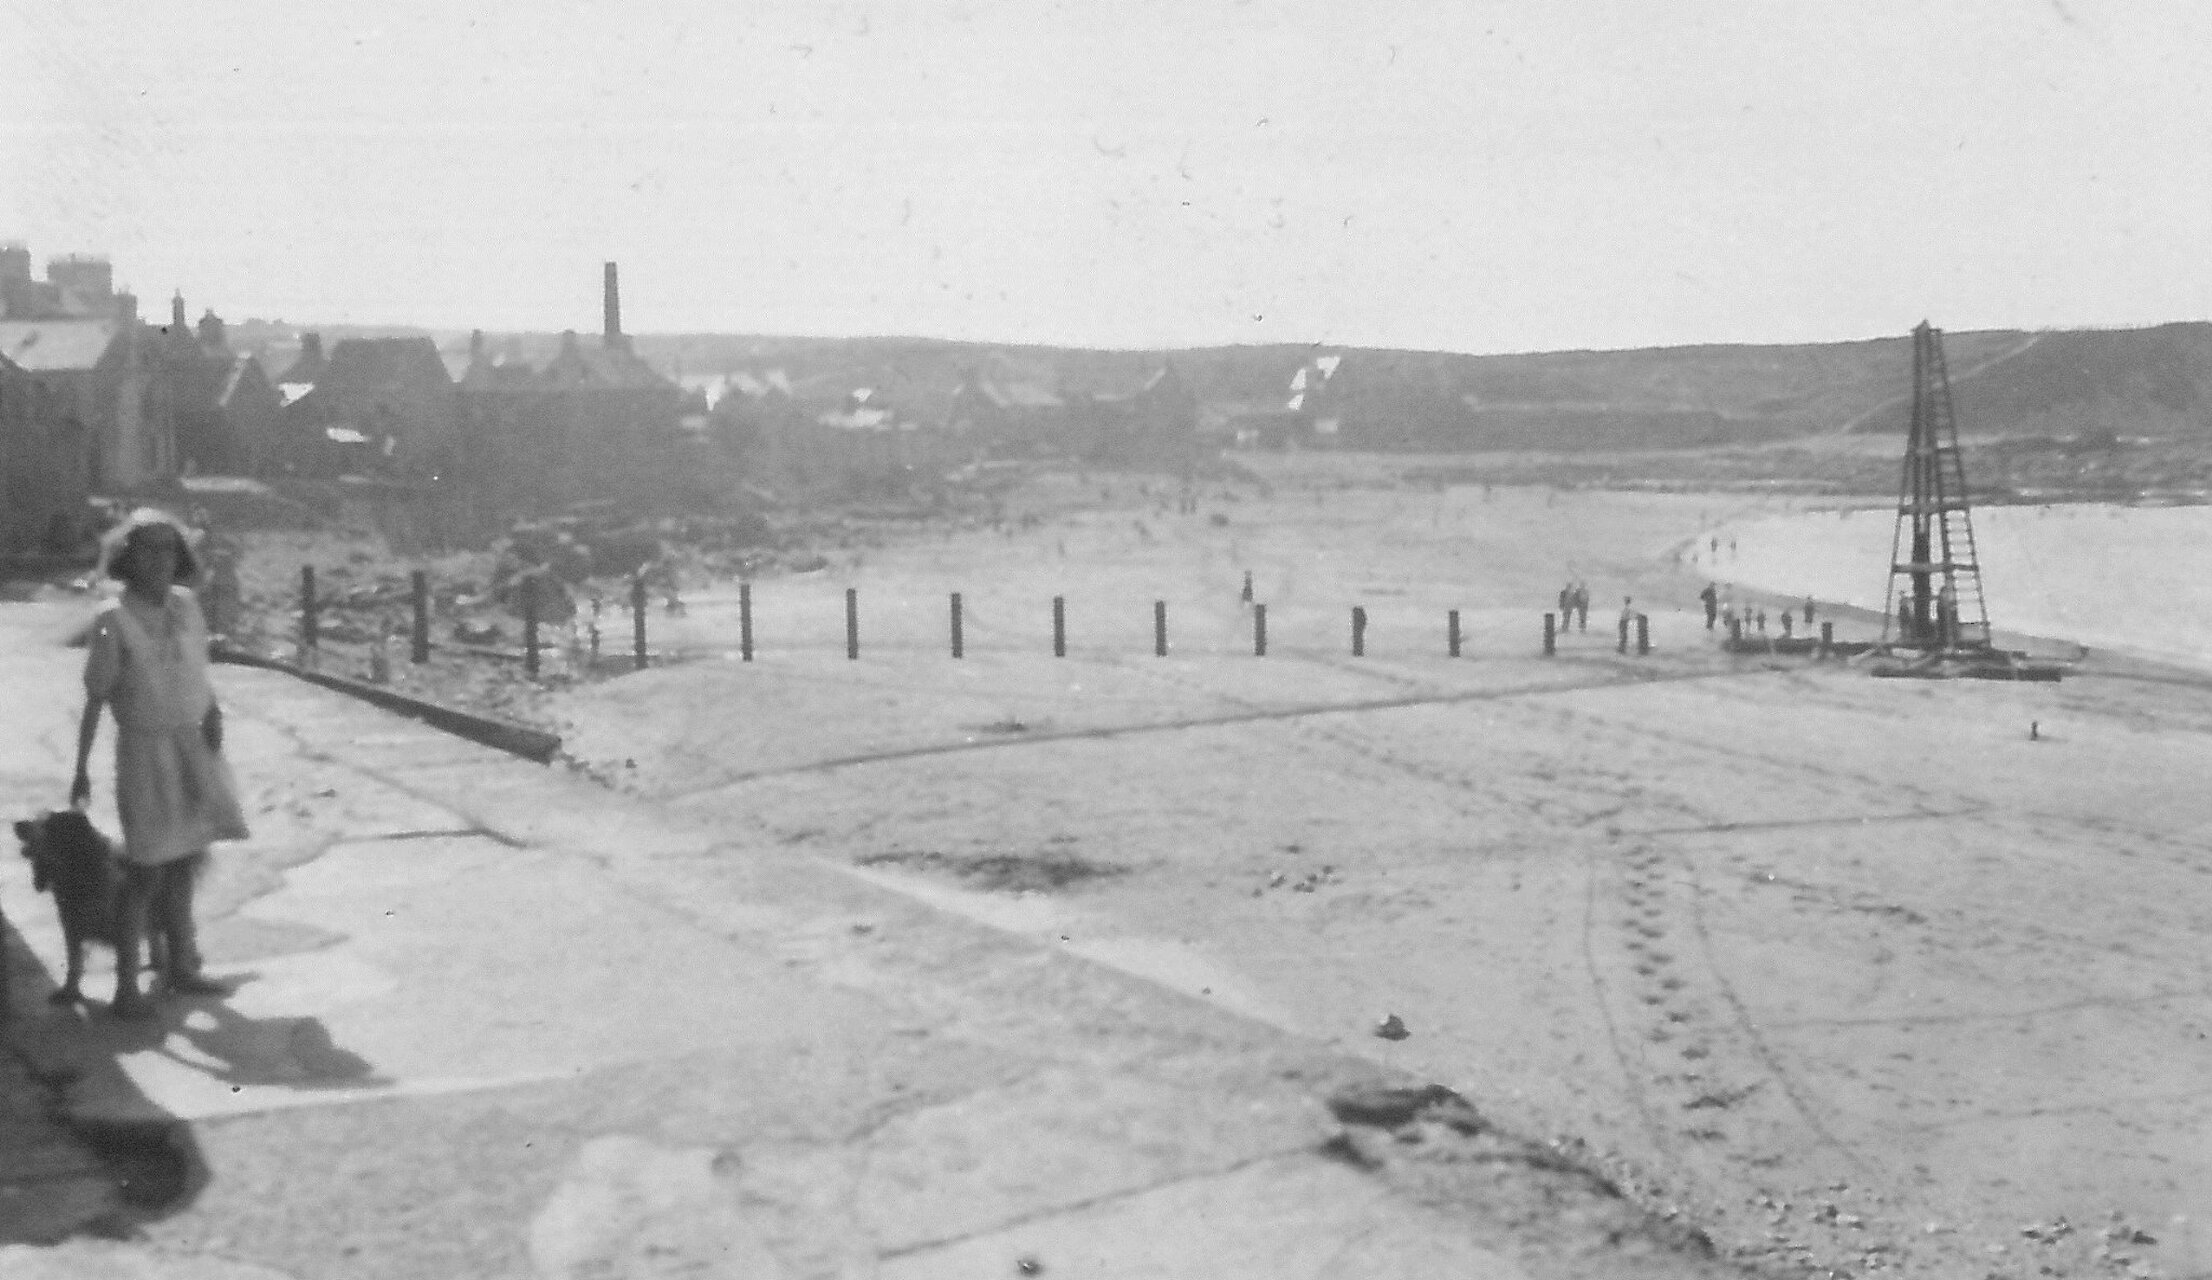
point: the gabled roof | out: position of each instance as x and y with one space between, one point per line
580 366
244 372
361 363
41 346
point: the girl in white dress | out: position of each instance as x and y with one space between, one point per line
147 661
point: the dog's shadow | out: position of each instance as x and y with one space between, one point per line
209 1037
291 1052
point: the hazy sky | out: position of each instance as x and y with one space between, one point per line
1447 174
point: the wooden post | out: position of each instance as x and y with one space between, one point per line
852 622
1827 639
637 620
956 646
1643 634
1735 631
420 652
1059 626
1624 634
310 630
1451 633
1159 628
530 624
1259 630
1359 631
745 620
1551 623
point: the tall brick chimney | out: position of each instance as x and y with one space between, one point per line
613 339
176 313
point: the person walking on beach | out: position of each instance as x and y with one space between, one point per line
1582 606
147 662
1711 596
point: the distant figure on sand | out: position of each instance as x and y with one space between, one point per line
1247 596
1808 611
1762 616
1785 624
1711 596
1582 606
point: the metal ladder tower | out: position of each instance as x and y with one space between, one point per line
1935 578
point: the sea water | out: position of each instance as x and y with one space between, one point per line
2131 578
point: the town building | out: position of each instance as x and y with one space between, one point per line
102 373
597 421
43 481
379 406
1010 410
1147 423
228 411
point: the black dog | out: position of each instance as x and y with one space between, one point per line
81 868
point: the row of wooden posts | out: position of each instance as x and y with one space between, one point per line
310 627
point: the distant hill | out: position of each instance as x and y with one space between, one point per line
2135 382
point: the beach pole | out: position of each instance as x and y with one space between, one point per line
1735 631
1159 628
1059 626
852 622
1624 634
745 620
419 650
530 624
1359 631
1551 622
1827 639
1643 634
1451 633
956 645
310 632
1259 630
637 619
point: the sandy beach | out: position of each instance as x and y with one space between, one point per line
1853 973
